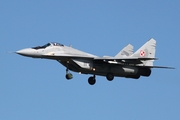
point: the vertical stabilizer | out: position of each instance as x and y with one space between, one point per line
148 51
126 51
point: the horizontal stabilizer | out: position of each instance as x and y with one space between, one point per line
160 67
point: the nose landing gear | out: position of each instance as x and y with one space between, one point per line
68 75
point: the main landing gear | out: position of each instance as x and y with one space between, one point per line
110 76
92 80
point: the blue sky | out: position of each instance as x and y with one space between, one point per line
34 89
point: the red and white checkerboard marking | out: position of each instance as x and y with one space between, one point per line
142 53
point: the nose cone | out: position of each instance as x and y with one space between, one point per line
29 52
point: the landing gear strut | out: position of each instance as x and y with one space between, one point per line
92 80
68 75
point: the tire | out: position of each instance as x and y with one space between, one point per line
91 80
110 76
69 76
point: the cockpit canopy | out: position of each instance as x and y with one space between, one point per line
48 44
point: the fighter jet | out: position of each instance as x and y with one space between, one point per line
124 64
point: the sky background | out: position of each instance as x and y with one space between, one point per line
34 89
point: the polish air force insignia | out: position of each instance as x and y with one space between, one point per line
142 53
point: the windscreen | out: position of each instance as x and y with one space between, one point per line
42 47
47 45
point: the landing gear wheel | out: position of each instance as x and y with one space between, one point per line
91 80
110 76
69 76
